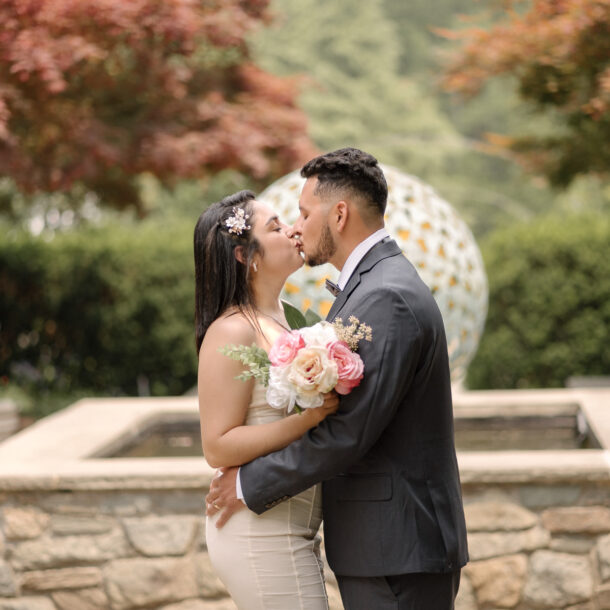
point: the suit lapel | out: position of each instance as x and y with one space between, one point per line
378 252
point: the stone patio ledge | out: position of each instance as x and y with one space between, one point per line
106 474
535 467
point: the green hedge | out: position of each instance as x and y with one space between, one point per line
97 310
108 311
549 304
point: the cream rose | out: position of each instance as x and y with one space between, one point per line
313 371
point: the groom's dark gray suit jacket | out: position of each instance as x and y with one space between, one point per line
391 493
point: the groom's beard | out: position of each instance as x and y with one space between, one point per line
325 248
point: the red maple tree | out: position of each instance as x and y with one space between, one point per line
97 92
559 53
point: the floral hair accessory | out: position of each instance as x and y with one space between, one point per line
236 224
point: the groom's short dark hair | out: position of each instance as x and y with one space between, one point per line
353 170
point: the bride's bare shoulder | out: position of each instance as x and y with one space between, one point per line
233 327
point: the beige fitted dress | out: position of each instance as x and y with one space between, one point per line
271 561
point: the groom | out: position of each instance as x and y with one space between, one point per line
393 518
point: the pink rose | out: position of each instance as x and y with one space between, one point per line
286 347
349 364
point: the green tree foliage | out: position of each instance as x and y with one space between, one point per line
415 22
109 311
353 94
371 80
489 189
549 304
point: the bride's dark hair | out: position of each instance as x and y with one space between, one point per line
221 280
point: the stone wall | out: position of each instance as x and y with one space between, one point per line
537 547
531 547
86 550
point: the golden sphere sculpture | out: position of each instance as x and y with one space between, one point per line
432 237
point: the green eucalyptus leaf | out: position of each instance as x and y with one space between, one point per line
255 358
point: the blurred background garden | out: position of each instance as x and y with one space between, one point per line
120 122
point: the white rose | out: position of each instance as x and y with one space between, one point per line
320 334
309 400
281 394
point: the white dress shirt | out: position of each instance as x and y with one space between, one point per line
353 260
357 254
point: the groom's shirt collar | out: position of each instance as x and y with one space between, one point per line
357 254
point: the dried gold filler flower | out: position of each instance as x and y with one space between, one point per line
353 333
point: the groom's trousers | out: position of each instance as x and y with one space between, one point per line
403 592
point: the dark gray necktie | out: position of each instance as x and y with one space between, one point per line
333 288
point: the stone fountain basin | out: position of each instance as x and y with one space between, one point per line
516 427
65 448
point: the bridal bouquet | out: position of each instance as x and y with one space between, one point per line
306 362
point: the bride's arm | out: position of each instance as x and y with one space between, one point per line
224 400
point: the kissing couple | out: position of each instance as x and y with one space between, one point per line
378 464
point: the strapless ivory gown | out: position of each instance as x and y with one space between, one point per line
271 561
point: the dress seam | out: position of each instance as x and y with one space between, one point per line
252 563
318 558
311 508
294 565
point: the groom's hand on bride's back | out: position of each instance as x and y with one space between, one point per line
222 496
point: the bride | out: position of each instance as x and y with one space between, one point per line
243 256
